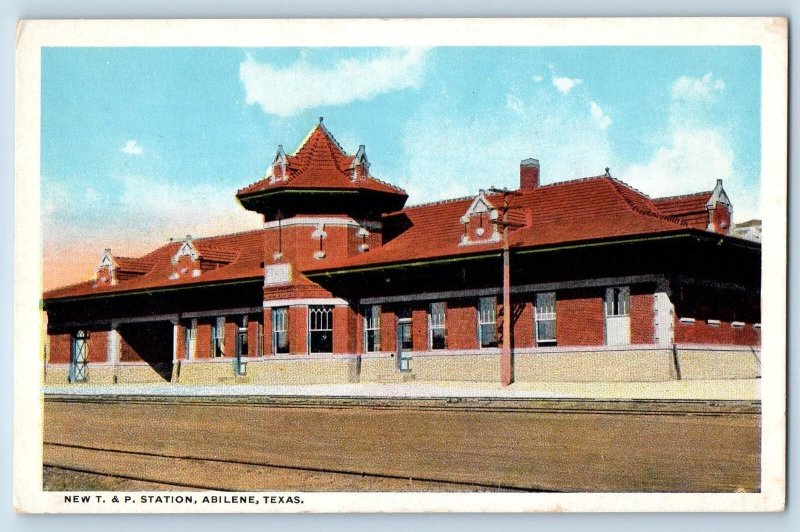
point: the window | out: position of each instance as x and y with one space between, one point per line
280 330
437 334
545 312
487 322
259 338
242 347
320 329
80 356
190 339
218 337
372 328
618 301
405 331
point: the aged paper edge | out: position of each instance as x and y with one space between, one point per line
768 33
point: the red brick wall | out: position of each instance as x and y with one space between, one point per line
60 349
343 330
229 341
203 339
388 330
98 346
642 318
298 324
580 317
252 336
180 349
267 315
700 332
522 330
126 352
461 321
419 327
299 247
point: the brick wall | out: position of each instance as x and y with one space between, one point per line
60 348
98 346
343 330
267 316
252 335
419 327
700 332
203 338
298 324
642 318
180 348
229 341
522 324
388 329
580 317
462 324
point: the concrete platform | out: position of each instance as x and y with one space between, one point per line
723 390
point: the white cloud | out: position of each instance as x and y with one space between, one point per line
132 147
449 155
565 84
599 116
286 91
703 89
538 79
515 104
692 160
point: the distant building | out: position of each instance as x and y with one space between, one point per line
342 283
749 230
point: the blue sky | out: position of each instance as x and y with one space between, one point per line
140 144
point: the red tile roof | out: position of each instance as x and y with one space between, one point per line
320 163
579 210
688 203
246 262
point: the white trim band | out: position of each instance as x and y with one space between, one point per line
302 302
315 222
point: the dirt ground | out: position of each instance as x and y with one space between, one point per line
321 445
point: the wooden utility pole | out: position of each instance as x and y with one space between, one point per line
506 360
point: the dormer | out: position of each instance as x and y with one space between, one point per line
480 222
193 258
106 273
278 172
720 210
360 164
111 270
186 260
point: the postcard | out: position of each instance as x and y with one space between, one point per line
431 265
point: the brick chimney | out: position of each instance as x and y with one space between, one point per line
529 174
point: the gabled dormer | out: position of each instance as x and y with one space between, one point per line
111 270
186 260
360 164
278 169
720 210
106 273
480 222
195 257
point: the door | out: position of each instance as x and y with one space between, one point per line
618 317
241 350
80 357
404 345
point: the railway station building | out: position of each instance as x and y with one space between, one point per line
345 283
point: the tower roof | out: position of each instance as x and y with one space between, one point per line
319 163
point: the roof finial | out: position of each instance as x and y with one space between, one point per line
608 171
320 120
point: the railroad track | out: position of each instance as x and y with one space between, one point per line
236 475
310 443
478 404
